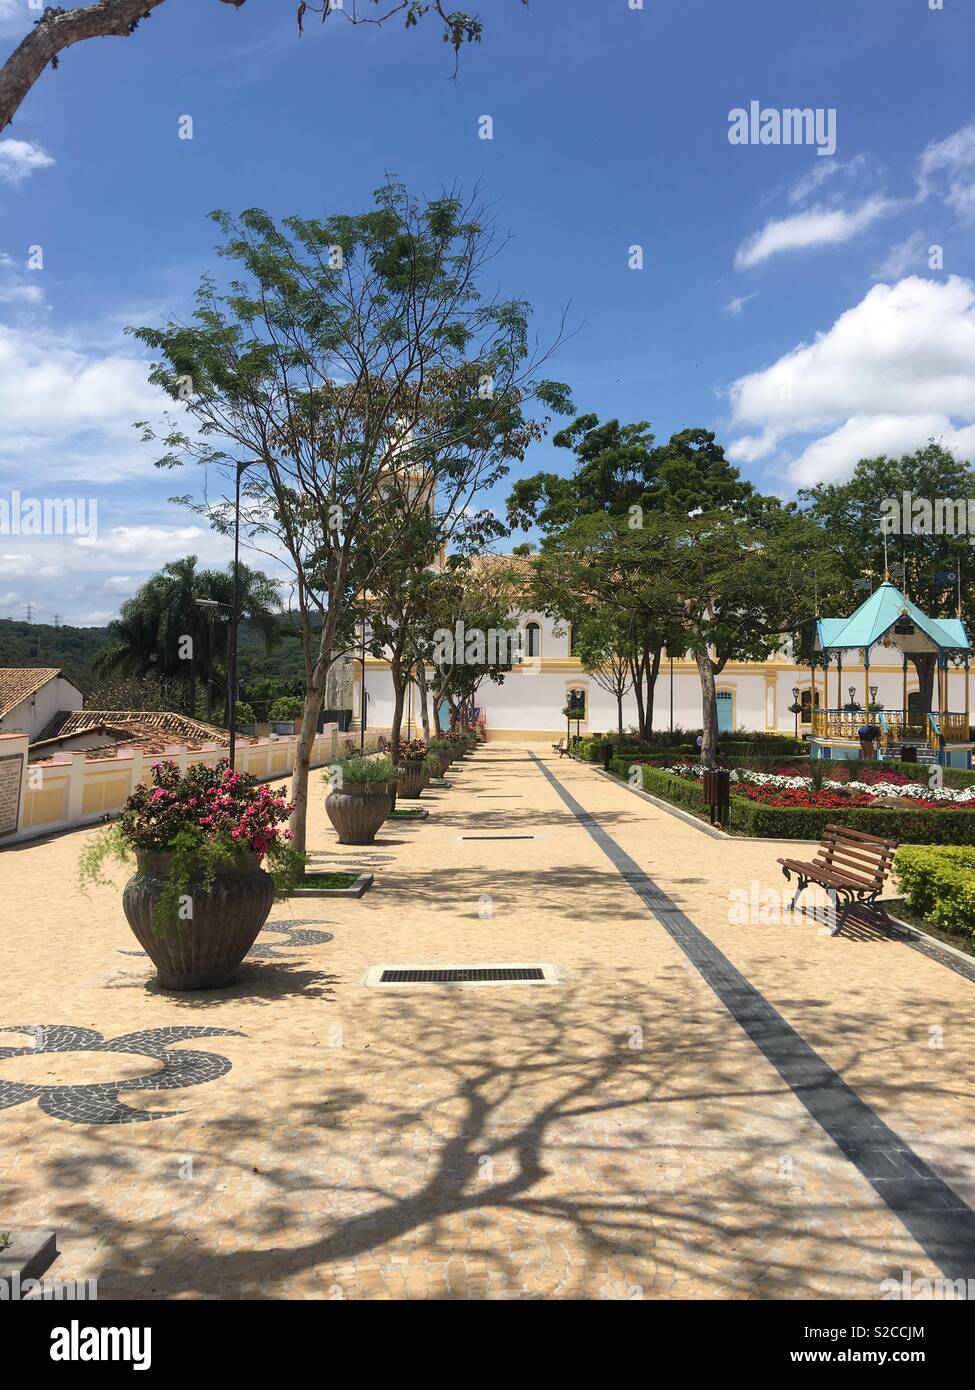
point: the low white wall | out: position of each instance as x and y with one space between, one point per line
70 789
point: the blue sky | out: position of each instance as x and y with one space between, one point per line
787 299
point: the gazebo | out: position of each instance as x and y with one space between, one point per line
890 619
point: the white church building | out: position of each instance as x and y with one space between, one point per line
752 696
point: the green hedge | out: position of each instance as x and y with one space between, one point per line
773 748
945 827
939 883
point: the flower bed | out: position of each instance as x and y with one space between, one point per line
945 822
787 789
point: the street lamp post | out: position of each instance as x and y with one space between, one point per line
796 708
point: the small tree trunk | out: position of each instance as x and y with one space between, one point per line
641 721
423 689
709 704
306 741
619 711
399 693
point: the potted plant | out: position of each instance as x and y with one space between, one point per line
199 895
444 750
359 799
411 768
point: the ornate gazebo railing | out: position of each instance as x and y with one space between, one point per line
896 726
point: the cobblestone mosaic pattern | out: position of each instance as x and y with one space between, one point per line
99 1103
622 1136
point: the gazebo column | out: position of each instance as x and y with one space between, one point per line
866 679
941 685
904 698
839 680
967 717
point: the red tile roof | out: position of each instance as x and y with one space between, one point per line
18 683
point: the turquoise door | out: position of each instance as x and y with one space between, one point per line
725 709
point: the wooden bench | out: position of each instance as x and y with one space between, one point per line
852 866
561 747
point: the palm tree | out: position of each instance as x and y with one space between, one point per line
163 631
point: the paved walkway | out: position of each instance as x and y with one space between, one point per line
631 1131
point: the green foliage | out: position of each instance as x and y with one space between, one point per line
939 883
353 771
162 631
244 713
287 707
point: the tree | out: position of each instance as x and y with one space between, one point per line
604 645
58 28
351 369
744 583
466 636
623 474
287 707
163 633
850 513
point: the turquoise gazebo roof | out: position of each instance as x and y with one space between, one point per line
878 614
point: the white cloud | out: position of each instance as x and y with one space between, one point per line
946 170
19 159
896 369
155 545
817 226
120 581
736 303
66 411
823 171
908 255
22 567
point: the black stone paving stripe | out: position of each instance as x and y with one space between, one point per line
939 1220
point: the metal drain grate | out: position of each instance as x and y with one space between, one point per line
504 974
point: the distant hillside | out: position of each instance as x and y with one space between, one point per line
74 649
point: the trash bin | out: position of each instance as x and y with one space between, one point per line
717 793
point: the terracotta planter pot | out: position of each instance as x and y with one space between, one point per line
444 758
358 810
412 776
203 951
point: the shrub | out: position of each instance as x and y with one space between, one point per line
939 883
287 707
412 752
352 771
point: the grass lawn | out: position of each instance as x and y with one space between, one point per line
328 880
